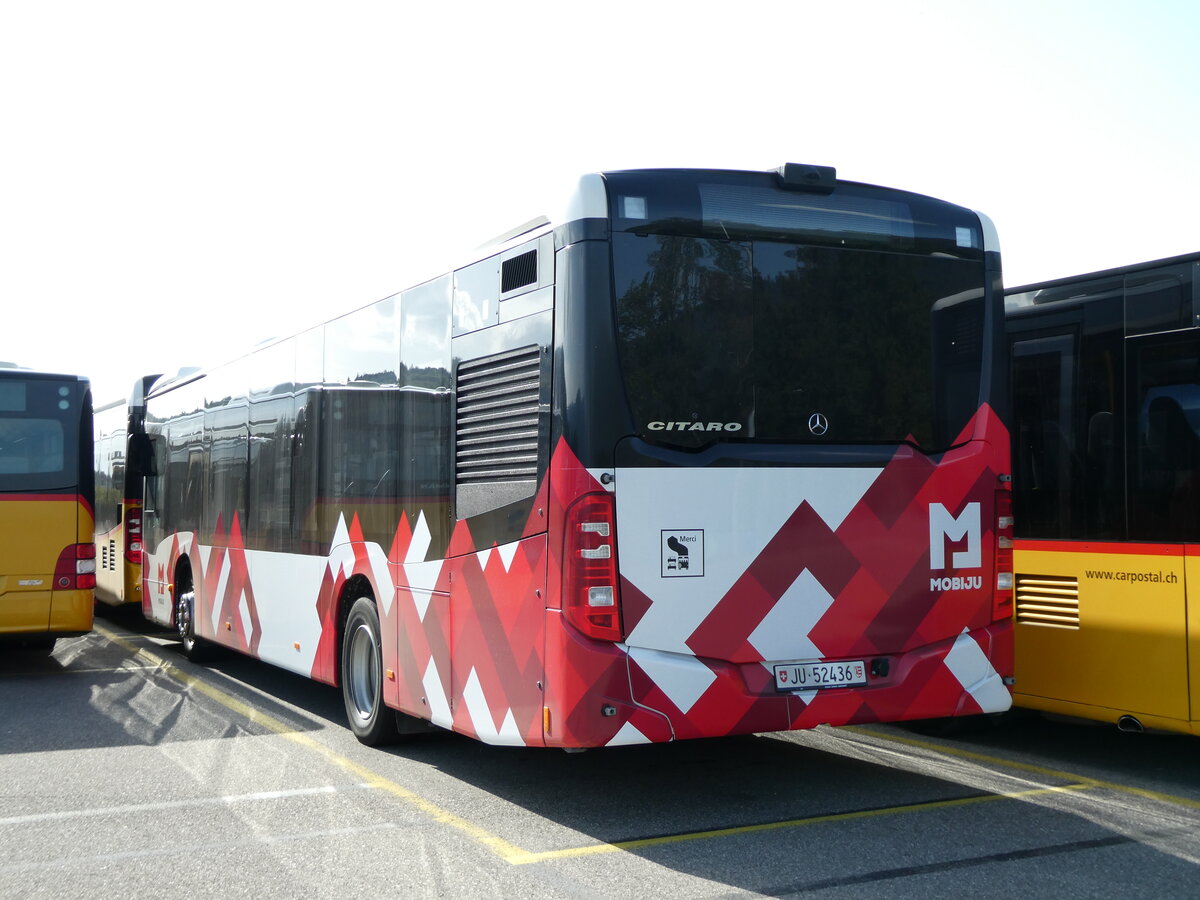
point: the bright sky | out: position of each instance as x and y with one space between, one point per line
183 180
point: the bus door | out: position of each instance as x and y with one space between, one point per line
1163 439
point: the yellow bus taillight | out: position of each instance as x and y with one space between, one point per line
76 568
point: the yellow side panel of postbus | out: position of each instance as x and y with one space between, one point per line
1192 560
1127 653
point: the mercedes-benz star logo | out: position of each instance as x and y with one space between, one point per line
818 424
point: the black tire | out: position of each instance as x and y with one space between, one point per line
194 648
362 677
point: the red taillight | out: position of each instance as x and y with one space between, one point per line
133 536
591 599
76 568
1004 554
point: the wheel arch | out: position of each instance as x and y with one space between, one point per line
182 581
356 586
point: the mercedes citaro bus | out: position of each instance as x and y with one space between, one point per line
709 453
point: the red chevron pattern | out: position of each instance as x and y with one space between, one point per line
477 641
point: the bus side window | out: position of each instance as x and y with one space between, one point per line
1047 474
1102 471
1165 450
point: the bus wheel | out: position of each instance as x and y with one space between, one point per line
362 677
194 648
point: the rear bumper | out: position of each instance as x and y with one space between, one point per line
48 613
621 695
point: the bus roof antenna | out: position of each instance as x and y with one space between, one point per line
804 177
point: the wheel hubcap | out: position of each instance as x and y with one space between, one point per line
183 616
362 676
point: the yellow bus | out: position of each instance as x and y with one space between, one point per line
1106 437
47 497
121 455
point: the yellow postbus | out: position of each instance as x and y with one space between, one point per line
47 497
121 456
1106 478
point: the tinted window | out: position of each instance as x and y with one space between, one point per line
1069 411
361 348
1045 458
31 446
753 206
226 442
272 420
110 475
477 296
40 422
425 335
1164 449
781 341
1158 301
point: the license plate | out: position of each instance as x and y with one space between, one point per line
813 676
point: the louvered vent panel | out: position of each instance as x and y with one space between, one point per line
518 272
1049 600
496 436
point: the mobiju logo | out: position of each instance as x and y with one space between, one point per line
945 528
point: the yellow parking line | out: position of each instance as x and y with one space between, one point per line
1029 767
515 855
497 845
790 823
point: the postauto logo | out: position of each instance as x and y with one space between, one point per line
946 528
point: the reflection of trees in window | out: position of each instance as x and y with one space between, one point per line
686 329
847 334
110 480
1165 462
434 377
269 513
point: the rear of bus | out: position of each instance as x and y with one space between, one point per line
780 466
47 549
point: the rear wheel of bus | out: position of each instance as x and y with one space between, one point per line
362 676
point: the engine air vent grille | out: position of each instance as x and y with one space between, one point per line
1049 600
496 434
518 272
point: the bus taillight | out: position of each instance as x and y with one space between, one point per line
76 568
133 536
1004 554
591 599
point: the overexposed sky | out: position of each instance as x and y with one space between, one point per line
180 181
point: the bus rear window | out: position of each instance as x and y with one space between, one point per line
753 206
817 216
29 446
41 420
773 341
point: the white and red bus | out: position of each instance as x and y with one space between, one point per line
711 453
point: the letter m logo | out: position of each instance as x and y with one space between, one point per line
944 527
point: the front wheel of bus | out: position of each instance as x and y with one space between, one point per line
362 677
